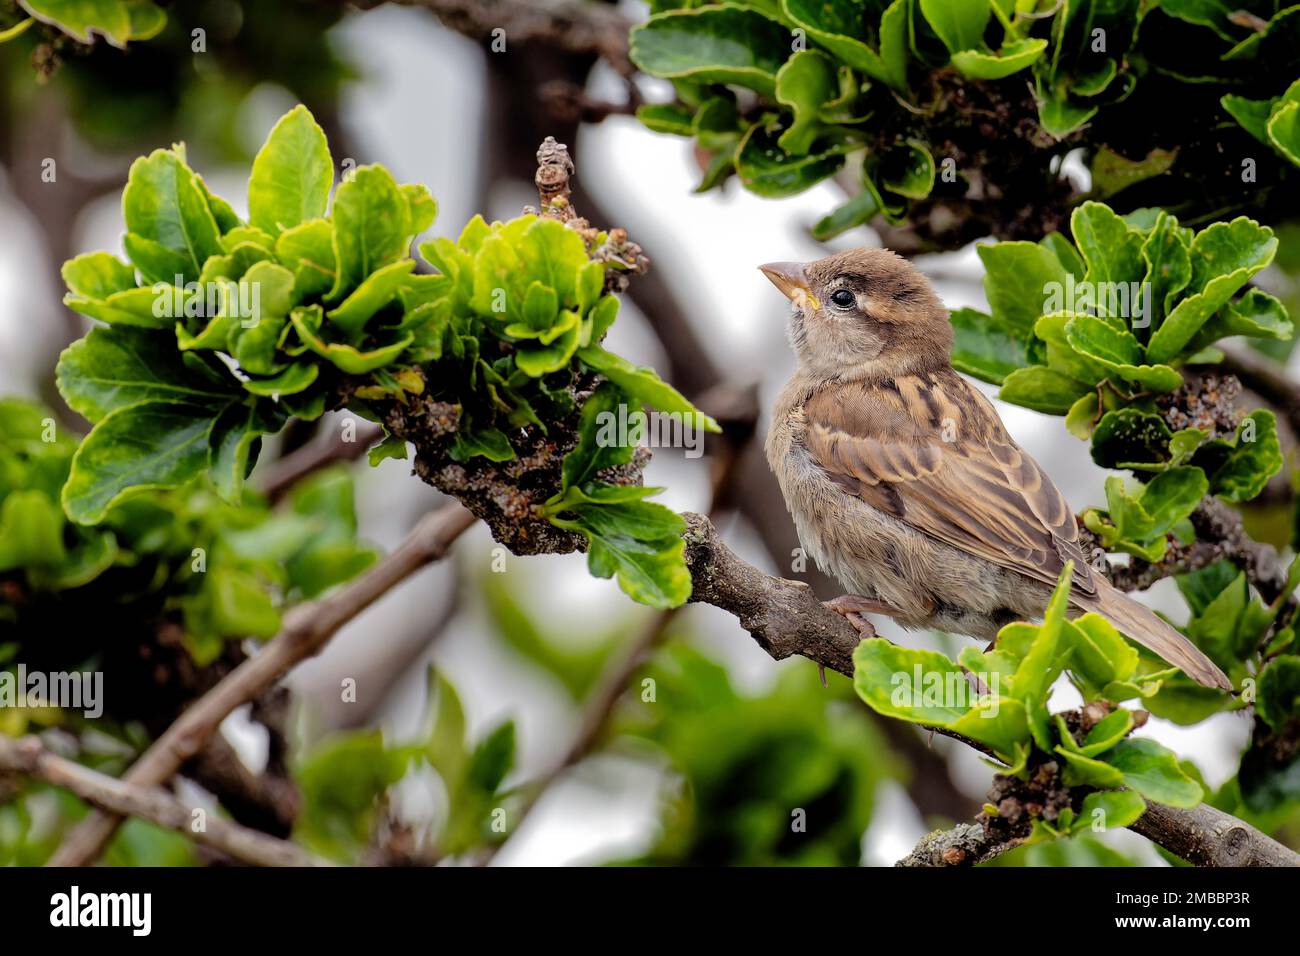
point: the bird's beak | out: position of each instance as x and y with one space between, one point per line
790 278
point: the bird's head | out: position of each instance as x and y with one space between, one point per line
864 313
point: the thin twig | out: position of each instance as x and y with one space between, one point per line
30 757
279 476
307 629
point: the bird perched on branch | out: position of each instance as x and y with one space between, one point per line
902 480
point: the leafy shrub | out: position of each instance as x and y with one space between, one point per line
219 330
890 92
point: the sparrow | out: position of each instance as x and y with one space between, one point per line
902 480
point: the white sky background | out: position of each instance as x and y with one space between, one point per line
417 109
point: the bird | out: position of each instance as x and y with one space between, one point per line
903 482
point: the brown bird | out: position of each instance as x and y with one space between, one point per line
903 482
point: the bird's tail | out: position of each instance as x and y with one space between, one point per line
1157 635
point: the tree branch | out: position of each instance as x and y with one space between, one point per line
1266 379
281 475
570 26
307 629
30 757
1203 836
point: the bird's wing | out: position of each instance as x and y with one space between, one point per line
930 451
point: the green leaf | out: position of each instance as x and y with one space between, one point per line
926 688
97 275
1154 772
307 250
376 291
1042 389
1224 257
894 52
1278 701
805 83
1110 809
1251 114
765 169
372 227
908 170
1167 254
1113 173
1284 130
345 357
856 212
638 541
643 384
1099 655
292 174
115 367
1119 351
1131 438
135 449
988 349
1111 249
31 531
492 759
959 23
595 451
1012 58
712 45
170 227
1017 279
838 26
1252 461
666 118
117 21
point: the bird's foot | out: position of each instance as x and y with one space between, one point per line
852 607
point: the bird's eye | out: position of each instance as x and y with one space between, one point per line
843 298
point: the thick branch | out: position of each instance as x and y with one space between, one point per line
28 756
307 629
1205 836
279 476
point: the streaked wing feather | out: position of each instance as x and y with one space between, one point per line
931 452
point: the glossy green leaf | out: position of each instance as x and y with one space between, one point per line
170 228
1224 257
1012 58
292 174
1042 389
372 227
712 45
135 449
115 367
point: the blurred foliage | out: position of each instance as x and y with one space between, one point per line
223 570
347 783
783 777
182 82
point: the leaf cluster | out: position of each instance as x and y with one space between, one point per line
219 330
823 83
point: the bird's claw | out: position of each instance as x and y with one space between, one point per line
850 607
